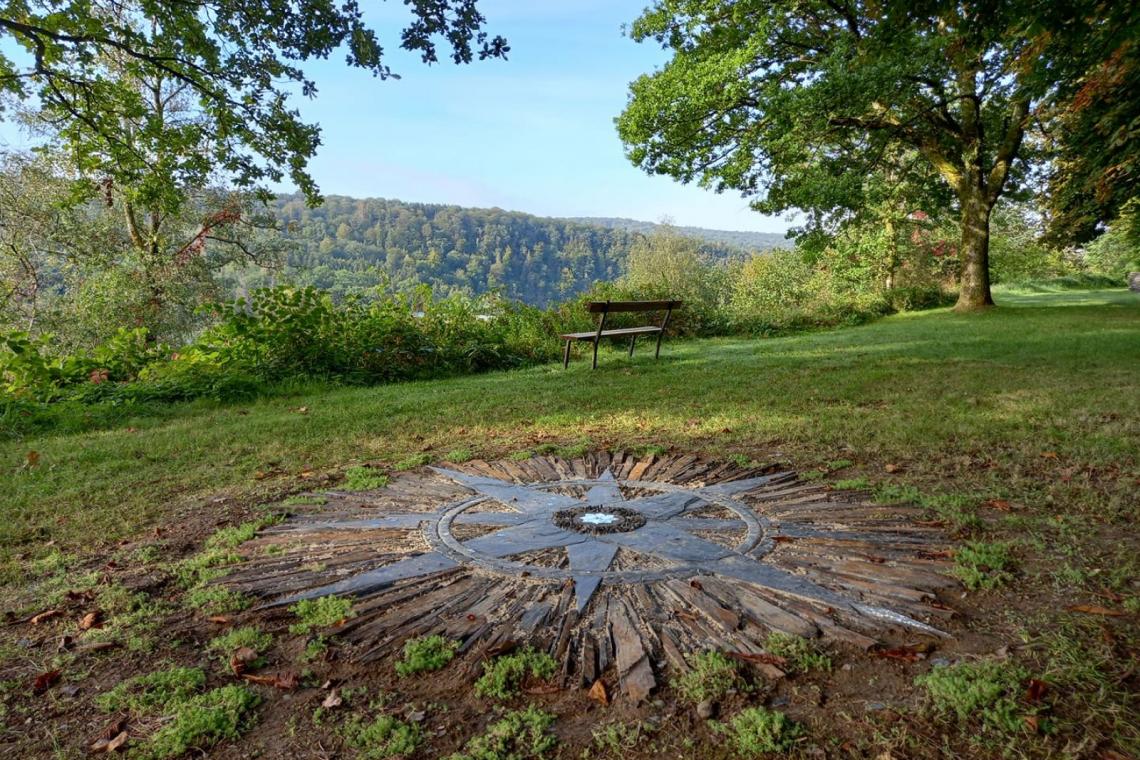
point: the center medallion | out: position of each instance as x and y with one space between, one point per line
596 520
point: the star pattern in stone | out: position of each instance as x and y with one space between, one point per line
524 521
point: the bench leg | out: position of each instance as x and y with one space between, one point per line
596 341
657 354
566 356
632 340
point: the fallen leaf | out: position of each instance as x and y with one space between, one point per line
598 693
1036 690
45 681
332 700
285 681
1095 609
241 660
31 459
117 742
46 615
906 653
1049 455
892 468
221 619
112 729
91 620
696 584
302 410
1000 505
1031 723
762 657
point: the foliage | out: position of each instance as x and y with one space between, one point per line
361 478
238 63
384 737
1117 251
756 731
426 653
321 612
811 105
503 676
981 565
986 691
152 692
711 676
247 637
518 735
201 722
216 600
802 655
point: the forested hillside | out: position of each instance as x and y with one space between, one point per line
347 244
749 241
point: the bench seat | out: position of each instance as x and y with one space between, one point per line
621 331
604 308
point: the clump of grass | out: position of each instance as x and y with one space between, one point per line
320 613
458 456
384 737
315 649
757 731
304 499
153 692
986 690
839 464
216 600
201 722
247 637
426 653
520 456
801 655
203 567
361 478
502 677
712 676
981 565
651 449
412 462
853 484
132 618
518 735
616 738
572 450
236 535
146 555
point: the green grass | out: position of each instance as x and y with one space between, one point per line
518 735
385 737
363 479
757 731
965 402
981 565
801 655
712 677
322 612
503 676
247 637
426 653
986 692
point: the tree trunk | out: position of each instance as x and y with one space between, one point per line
974 254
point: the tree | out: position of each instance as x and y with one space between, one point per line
238 61
795 102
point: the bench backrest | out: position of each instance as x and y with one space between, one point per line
597 307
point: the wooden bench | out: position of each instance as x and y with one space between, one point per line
604 309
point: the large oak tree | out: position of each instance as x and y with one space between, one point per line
796 102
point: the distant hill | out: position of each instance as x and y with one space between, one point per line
347 245
748 241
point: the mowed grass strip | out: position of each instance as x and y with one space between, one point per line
1036 402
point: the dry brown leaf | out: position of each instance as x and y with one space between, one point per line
1000 505
1095 609
241 659
221 619
598 693
44 616
117 742
286 681
332 700
45 681
91 620
1049 455
31 459
892 467
1035 690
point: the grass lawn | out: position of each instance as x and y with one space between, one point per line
1021 425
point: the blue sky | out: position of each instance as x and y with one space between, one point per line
533 133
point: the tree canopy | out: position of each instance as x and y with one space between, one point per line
238 63
796 104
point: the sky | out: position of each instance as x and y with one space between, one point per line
533 133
